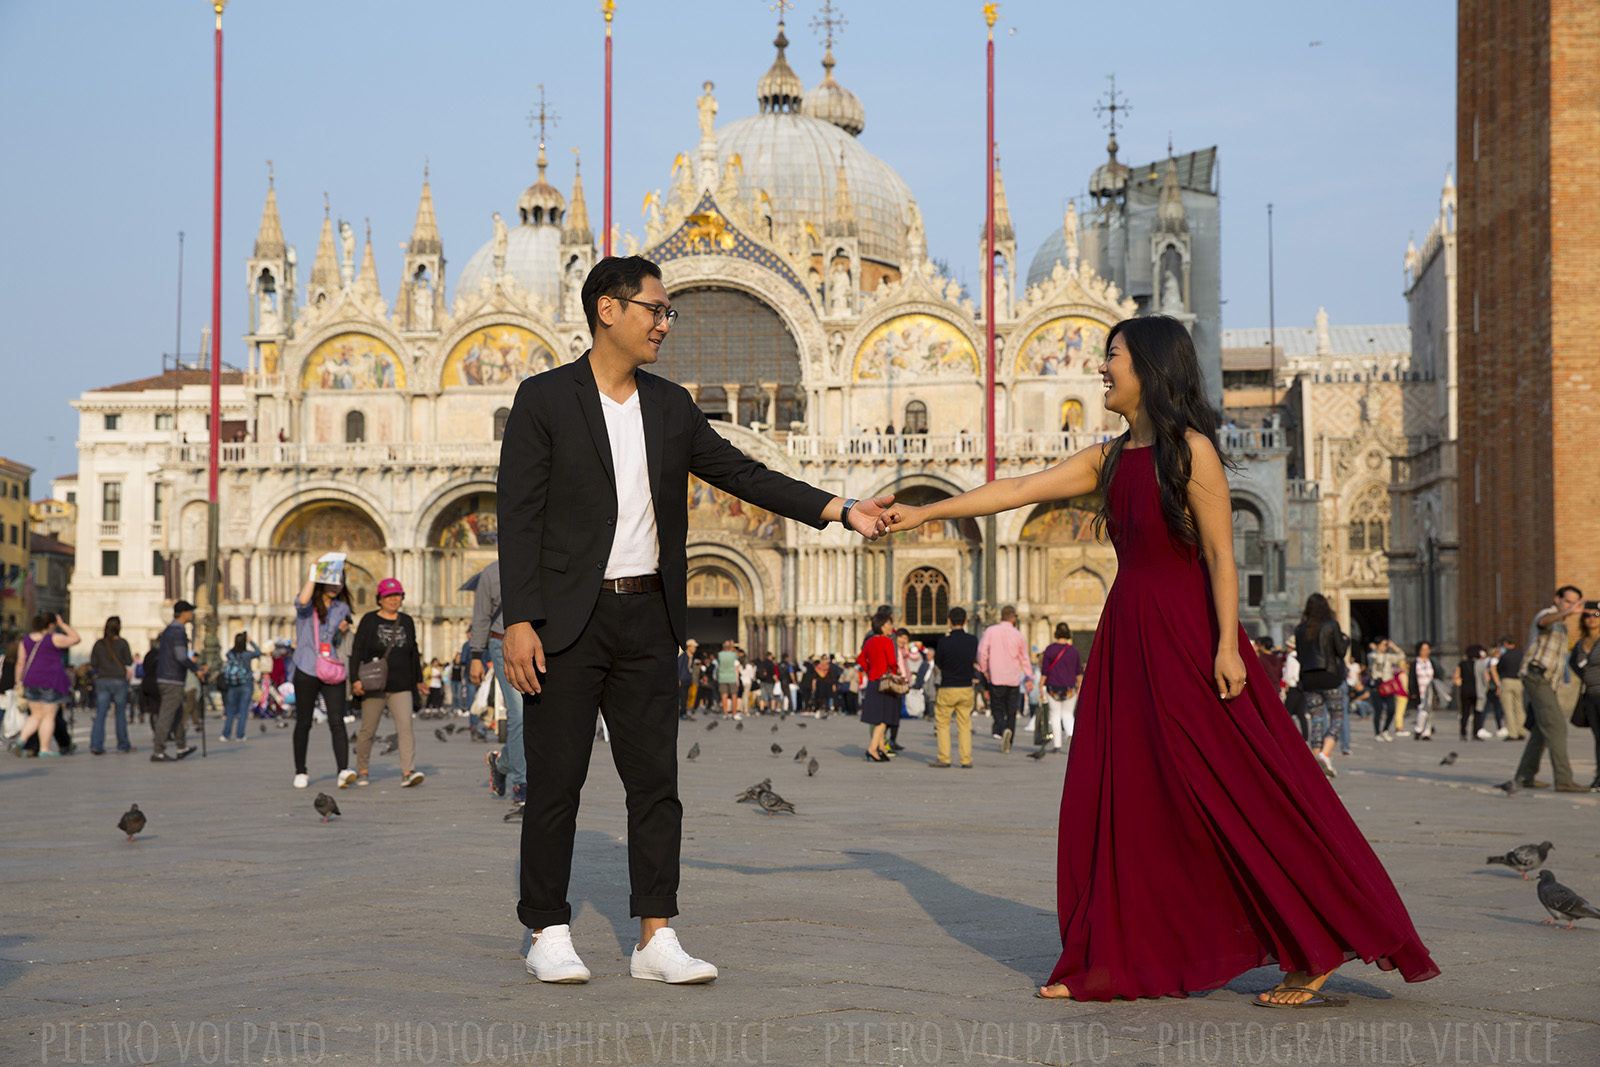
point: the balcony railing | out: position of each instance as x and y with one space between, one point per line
110 531
366 454
1436 461
1302 490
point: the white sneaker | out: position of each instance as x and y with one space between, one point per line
664 960
1484 734
346 776
301 781
1500 732
553 959
1402 733
1327 765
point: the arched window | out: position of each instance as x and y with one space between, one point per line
500 417
1368 517
726 336
927 599
916 420
1249 552
355 428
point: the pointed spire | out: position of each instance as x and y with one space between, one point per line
831 101
325 268
366 283
842 221
425 234
1170 215
269 239
1003 230
577 231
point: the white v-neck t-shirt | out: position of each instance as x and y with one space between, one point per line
636 549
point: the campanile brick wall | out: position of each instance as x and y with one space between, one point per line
1528 151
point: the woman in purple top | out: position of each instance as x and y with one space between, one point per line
44 681
322 615
1061 668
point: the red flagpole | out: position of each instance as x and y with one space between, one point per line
609 8
989 13
216 271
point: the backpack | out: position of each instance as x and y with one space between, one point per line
236 671
148 684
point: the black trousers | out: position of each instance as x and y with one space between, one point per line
1003 703
624 664
306 688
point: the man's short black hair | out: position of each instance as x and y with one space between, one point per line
958 616
1564 590
618 276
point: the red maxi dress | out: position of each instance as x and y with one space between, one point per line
1199 838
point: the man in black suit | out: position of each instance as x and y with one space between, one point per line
593 523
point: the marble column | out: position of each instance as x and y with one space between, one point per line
732 391
771 389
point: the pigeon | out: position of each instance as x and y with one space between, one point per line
514 815
449 727
694 751
440 735
132 821
802 726
389 749
774 727
811 768
1039 754
798 756
1449 760
754 791
326 806
263 727
738 726
777 749
772 803
1559 901
712 725
1509 787
1524 858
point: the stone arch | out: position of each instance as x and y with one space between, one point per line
459 536
541 349
721 578
925 597
321 490
298 352
1083 590
726 272
316 526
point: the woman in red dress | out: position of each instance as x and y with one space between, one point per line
1198 836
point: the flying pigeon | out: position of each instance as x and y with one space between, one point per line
754 791
811 768
1039 754
1561 902
132 821
1449 760
325 806
798 756
772 803
776 748
440 735
694 751
712 725
1524 858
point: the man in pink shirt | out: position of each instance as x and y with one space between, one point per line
1003 659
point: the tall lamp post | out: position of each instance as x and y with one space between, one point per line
608 9
212 654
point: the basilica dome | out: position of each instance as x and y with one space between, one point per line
793 150
533 249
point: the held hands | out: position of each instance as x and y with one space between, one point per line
1229 673
899 518
524 657
866 518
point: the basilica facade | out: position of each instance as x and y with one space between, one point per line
814 331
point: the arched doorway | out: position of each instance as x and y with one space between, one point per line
715 599
332 526
463 540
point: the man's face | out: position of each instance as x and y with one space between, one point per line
1569 601
633 326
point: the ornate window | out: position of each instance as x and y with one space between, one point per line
927 599
724 336
916 420
1368 516
501 415
355 427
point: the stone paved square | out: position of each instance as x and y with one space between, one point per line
903 916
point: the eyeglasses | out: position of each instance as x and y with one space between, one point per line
661 311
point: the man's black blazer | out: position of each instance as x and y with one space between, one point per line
558 495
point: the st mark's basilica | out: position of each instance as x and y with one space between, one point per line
815 332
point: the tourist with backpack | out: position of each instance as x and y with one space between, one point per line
238 685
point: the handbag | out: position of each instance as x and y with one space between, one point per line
20 702
1392 687
893 683
373 675
330 669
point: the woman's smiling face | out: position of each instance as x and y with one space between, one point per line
1123 391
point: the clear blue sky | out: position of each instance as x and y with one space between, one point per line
107 127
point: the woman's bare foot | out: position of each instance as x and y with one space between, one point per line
1055 992
1296 987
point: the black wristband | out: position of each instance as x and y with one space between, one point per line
844 512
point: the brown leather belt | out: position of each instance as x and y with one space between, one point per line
496 636
639 583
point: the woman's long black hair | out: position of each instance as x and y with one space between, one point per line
1174 396
1318 611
